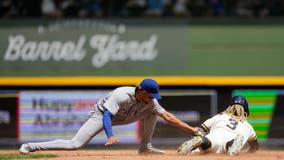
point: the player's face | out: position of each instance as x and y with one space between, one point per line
145 97
148 98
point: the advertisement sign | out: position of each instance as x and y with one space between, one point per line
58 114
49 115
91 48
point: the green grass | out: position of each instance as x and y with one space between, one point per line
25 156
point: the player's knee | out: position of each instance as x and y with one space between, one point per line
76 145
206 143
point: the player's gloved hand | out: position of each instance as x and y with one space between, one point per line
111 140
199 132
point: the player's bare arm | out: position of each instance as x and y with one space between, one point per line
253 146
173 120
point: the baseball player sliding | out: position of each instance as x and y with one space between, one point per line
123 105
227 132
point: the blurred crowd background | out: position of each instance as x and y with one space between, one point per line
140 8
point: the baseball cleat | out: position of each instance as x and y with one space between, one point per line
188 146
150 150
236 146
24 149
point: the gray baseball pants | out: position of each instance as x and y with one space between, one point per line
90 129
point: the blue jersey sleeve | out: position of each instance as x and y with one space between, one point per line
107 123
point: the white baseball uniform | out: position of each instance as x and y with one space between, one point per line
125 109
223 128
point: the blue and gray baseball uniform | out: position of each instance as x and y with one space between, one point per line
123 108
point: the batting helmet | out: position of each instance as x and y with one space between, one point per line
242 101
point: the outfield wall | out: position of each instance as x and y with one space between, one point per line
91 48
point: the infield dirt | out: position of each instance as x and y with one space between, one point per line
131 154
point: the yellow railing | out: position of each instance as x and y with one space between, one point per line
132 80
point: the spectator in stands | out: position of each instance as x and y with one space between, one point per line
260 8
154 8
180 8
136 7
50 9
243 9
276 7
140 8
217 7
91 8
5 8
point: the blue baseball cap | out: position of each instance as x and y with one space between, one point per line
152 87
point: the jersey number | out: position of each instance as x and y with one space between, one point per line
233 124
